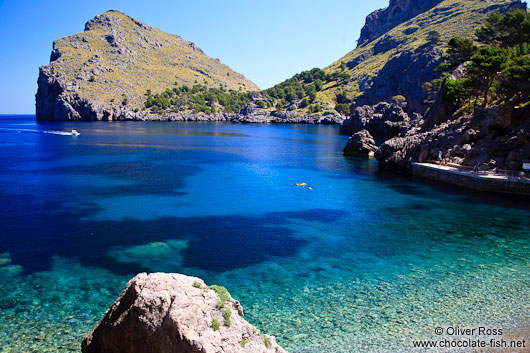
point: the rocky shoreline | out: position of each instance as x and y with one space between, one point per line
493 140
263 117
489 139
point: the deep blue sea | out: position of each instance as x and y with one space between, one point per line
363 262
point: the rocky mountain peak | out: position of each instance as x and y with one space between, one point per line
105 71
110 19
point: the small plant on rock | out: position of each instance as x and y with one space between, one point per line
222 292
399 99
267 341
226 315
215 324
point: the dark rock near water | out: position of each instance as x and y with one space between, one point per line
492 138
439 112
398 153
360 144
252 116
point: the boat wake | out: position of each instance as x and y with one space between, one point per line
19 130
64 133
35 131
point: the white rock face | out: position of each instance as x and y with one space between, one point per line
173 313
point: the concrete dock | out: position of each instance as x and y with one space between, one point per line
499 181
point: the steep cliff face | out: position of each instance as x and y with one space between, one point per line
104 72
398 11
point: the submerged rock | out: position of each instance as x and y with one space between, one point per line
174 313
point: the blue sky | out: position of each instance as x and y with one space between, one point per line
267 41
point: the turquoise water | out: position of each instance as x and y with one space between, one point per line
362 262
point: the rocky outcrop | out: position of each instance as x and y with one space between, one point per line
103 72
384 120
173 313
360 144
492 138
397 12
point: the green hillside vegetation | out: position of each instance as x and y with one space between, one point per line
497 65
306 84
117 58
196 99
303 87
450 18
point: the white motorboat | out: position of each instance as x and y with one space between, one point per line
75 133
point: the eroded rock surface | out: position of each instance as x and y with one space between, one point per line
173 313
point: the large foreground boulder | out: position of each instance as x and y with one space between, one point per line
173 313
